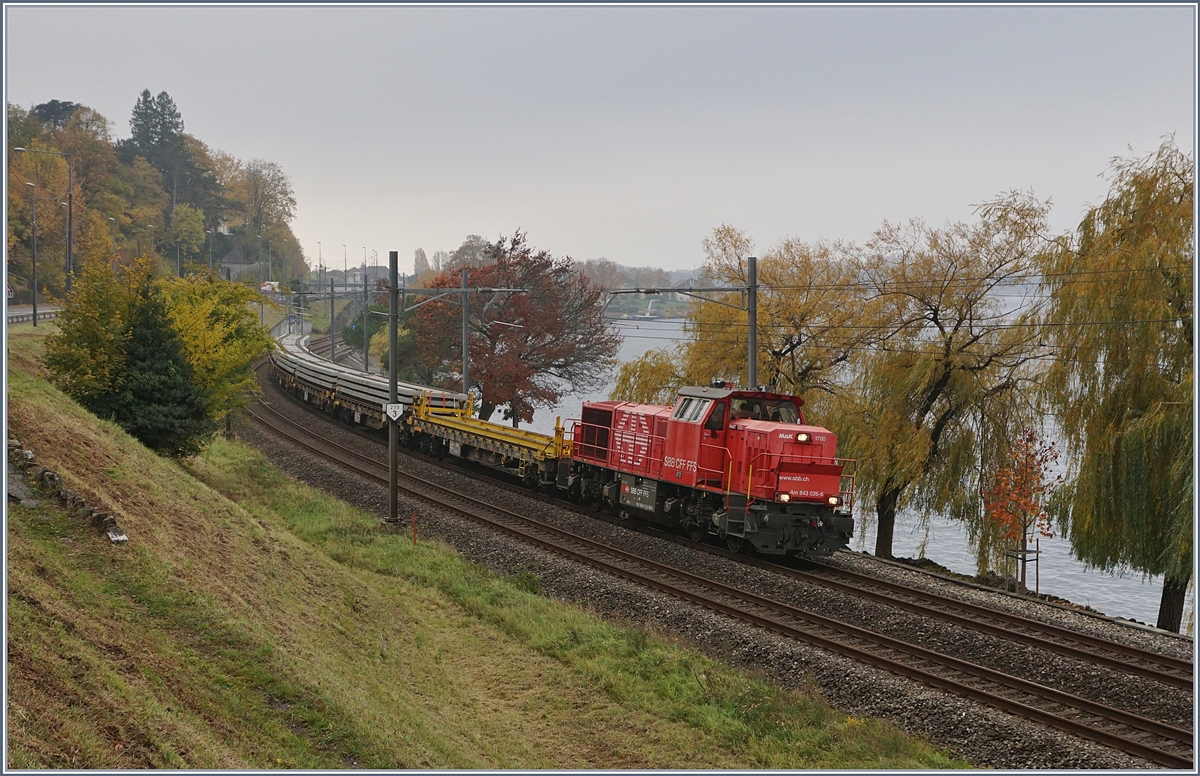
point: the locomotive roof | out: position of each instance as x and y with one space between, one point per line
707 392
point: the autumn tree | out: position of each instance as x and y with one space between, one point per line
221 338
86 356
474 252
948 375
48 173
268 195
808 324
187 229
1015 502
23 126
1121 322
527 349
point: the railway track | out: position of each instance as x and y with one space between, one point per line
319 344
1147 738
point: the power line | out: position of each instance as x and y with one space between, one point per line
1032 280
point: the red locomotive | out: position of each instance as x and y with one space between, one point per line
740 464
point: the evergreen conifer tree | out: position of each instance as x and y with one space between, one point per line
157 400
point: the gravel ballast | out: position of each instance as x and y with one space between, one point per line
977 734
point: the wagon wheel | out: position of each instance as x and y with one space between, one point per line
735 543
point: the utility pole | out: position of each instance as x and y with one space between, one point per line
393 430
752 314
366 316
466 383
332 342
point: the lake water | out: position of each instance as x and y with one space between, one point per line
1129 596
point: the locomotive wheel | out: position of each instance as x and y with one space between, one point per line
735 543
695 531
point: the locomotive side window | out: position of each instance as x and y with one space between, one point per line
697 410
716 421
748 409
766 409
691 409
782 412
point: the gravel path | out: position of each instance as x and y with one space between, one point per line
982 736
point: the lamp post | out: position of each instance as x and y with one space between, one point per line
211 236
70 207
343 264
33 199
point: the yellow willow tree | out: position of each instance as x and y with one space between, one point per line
947 379
808 327
1122 321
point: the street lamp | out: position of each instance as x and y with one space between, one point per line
211 236
33 199
70 206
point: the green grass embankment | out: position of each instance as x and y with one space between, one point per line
252 622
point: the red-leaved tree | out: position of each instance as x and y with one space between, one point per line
526 349
1016 500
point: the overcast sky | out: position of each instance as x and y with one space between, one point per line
631 132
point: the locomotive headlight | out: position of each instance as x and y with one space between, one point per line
783 497
803 437
835 501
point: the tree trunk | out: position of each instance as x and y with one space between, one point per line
1170 610
885 510
486 408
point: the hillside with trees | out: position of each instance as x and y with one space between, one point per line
160 192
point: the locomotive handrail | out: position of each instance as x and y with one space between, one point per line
720 478
844 493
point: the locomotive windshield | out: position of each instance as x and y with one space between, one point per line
691 410
766 409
